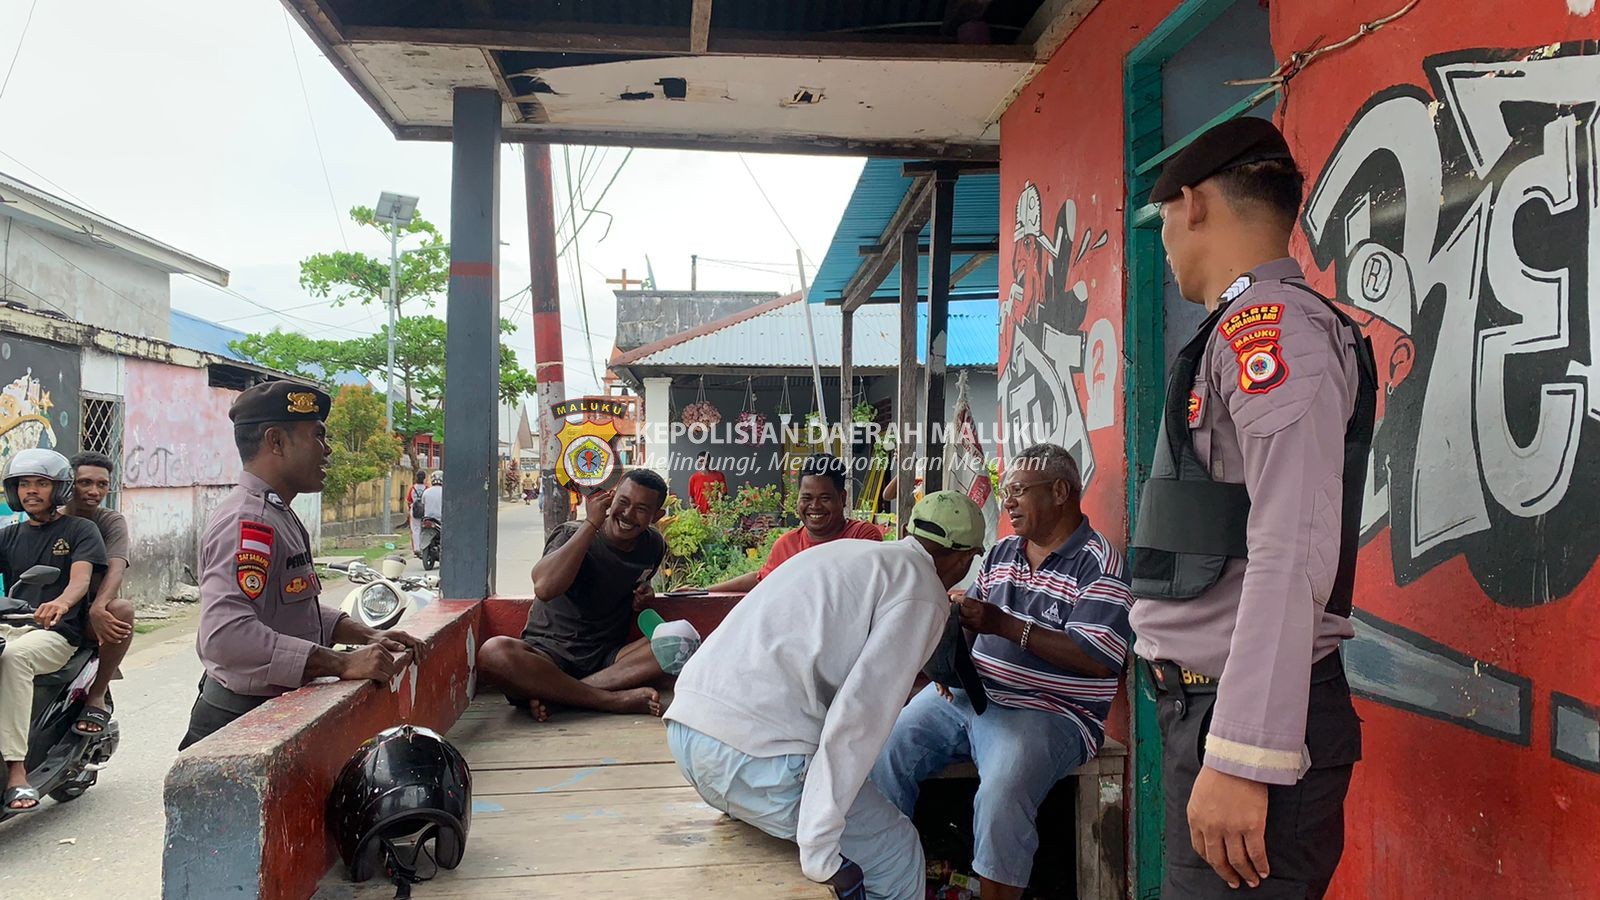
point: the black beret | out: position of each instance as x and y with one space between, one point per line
279 401
1235 143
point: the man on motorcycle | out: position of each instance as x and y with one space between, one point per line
110 615
433 498
39 483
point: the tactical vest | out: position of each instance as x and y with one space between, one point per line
1189 526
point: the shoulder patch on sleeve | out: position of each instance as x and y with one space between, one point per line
1249 317
251 573
1261 365
255 537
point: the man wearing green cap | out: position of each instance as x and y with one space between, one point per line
262 630
780 714
1244 549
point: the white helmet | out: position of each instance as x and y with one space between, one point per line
41 463
437 478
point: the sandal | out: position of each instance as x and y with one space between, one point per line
12 795
92 715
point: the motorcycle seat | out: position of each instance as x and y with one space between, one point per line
54 681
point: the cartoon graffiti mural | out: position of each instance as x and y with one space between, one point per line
1044 345
1482 309
38 401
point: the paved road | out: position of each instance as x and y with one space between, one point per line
110 839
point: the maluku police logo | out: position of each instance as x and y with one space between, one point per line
588 439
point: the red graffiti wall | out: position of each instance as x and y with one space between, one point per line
1453 207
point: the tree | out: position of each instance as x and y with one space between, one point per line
345 275
419 356
364 448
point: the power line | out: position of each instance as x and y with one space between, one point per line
14 56
598 200
262 306
253 315
576 200
46 179
338 219
771 205
36 295
89 275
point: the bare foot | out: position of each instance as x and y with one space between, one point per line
531 706
639 700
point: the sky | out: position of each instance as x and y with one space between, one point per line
218 128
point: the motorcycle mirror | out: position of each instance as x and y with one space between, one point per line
187 577
39 575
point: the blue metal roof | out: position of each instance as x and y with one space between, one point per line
878 193
209 337
198 334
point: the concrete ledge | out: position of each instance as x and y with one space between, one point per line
246 807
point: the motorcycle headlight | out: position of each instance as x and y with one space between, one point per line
378 601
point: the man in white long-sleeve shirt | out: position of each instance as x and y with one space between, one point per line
779 717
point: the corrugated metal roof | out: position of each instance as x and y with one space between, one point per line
208 337
777 338
878 193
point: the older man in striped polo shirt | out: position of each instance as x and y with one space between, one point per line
1050 615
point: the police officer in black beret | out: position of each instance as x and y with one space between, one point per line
1243 555
262 630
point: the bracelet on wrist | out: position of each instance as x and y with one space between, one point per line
1027 629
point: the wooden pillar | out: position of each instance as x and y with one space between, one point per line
472 347
905 406
847 399
944 201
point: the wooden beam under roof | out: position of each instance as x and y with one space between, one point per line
564 38
700 27
1052 23
533 133
911 215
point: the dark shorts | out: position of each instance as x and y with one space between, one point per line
1305 821
213 709
578 662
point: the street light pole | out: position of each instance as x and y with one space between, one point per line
388 389
397 211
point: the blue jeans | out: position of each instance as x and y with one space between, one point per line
1020 754
765 792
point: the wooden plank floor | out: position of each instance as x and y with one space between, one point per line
591 805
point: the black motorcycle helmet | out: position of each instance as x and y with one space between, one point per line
402 789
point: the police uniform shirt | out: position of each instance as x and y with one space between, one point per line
61 543
259 612
1271 399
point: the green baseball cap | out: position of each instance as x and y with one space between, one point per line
949 519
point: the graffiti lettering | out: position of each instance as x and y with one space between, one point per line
167 466
1464 227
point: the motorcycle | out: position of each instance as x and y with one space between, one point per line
62 764
378 599
432 538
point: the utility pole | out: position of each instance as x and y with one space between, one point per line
397 211
694 272
546 288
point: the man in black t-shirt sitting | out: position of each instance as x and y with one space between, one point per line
595 574
39 482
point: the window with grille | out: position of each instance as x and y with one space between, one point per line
102 433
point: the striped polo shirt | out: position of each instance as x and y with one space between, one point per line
1081 589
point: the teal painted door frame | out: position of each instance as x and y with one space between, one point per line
1143 333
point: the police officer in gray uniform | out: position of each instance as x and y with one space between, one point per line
262 630
1244 549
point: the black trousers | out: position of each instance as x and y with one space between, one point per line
215 707
1305 821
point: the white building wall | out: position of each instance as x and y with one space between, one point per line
97 285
